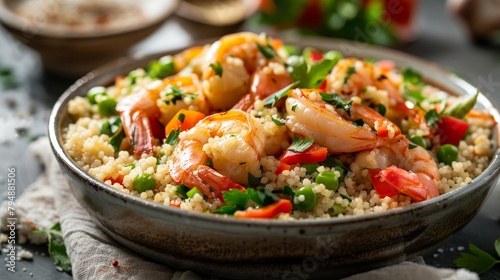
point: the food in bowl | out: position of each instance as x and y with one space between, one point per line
250 127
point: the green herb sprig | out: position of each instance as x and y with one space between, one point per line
57 249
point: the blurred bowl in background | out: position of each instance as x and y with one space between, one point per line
76 36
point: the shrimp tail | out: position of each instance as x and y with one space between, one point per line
138 130
218 182
409 183
192 181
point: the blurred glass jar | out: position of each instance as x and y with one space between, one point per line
381 22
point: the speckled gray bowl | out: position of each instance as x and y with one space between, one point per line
254 249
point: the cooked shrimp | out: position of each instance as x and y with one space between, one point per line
309 115
237 58
181 92
352 76
141 110
190 60
233 140
408 168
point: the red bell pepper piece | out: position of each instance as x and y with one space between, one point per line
313 154
266 212
383 188
451 130
282 167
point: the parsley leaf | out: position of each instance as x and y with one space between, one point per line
351 70
477 260
267 51
381 109
173 137
432 117
217 68
294 107
252 180
411 76
235 200
337 101
273 98
277 121
299 145
358 122
319 70
182 191
176 94
181 117
262 196
57 249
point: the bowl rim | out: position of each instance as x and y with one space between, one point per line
11 19
487 176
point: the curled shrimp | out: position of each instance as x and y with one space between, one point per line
230 65
157 102
309 115
234 141
407 168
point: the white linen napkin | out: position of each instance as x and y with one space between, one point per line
92 252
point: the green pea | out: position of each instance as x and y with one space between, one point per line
194 191
310 199
419 140
107 107
143 182
310 167
95 91
447 154
329 179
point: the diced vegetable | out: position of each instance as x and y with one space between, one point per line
282 167
313 154
305 199
143 182
337 209
447 154
451 130
194 191
266 212
161 68
460 109
182 191
329 179
383 188
184 119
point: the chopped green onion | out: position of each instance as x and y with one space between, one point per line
299 145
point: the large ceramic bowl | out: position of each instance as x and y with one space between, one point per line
73 53
256 249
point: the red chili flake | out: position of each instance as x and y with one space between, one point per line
115 263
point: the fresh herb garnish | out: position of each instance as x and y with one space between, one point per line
182 191
351 70
173 137
346 197
57 249
381 109
432 117
7 78
460 109
262 196
267 51
415 96
411 76
181 117
411 146
299 145
288 191
235 200
209 162
217 68
175 94
273 98
337 101
294 107
359 122
311 76
116 139
252 180
132 165
277 121
478 260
